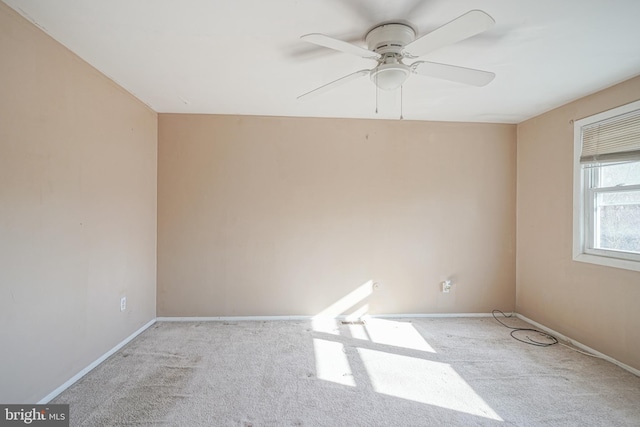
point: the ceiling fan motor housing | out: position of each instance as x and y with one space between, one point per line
389 40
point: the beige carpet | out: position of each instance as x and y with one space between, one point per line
406 372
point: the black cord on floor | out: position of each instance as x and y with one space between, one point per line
552 340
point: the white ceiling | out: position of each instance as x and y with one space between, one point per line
245 56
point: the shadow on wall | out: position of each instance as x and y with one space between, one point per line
393 354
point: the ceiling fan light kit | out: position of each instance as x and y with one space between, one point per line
390 44
390 76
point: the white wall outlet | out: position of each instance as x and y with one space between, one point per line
123 303
446 286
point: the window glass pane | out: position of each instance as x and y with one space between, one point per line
618 216
619 174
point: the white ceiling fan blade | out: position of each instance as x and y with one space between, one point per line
453 73
339 45
334 84
463 27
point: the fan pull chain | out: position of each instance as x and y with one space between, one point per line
377 89
401 98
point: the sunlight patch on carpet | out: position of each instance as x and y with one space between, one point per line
359 332
423 381
398 334
331 362
325 325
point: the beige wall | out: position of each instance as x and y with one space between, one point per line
77 212
285 216
271 216
595 305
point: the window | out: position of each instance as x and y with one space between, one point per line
606 199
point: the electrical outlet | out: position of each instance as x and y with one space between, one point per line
446 286
123 303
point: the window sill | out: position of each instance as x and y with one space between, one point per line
609 262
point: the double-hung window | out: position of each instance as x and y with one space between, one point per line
606 202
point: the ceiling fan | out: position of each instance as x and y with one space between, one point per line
390 44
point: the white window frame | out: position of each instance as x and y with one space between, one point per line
583 202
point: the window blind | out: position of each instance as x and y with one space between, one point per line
612 140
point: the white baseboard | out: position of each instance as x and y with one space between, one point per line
428 315
230 318
95 363
579 345
268 318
